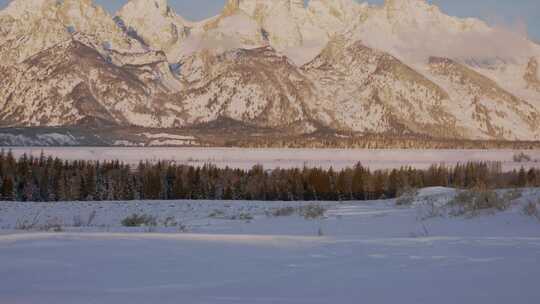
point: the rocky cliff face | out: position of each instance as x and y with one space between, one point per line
402 68
71 83
532 75
31 26
155 23
365 90
259 87
482 105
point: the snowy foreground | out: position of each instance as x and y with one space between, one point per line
238 252
244 158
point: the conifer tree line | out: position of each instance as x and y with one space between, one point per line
377 141
52 179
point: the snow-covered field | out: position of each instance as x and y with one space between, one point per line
238 252
285 158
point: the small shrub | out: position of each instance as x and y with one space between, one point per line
136 220
54 225
429 209
242 217
407 197
25 224
312 211
78 221
512 195
170 222
285 211
531 209
246 216
470 202
217 214
182 228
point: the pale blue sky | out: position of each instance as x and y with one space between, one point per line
505 12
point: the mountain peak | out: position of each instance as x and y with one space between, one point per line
67 10
401 3
422 16
26 5
147 6
288 4
22 7
149 67
412 8
35 25
155 23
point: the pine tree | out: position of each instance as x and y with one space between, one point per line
178 191
393 185
227 193
7 189
522 178
531 177
90 184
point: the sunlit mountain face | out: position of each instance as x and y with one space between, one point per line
402 68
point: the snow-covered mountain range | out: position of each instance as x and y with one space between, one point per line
334 65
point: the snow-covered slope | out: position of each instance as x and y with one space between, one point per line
155 23
30 26
257 86
366 90
414 31
287 25
483 105
206 252
72 83
403 67
301 32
